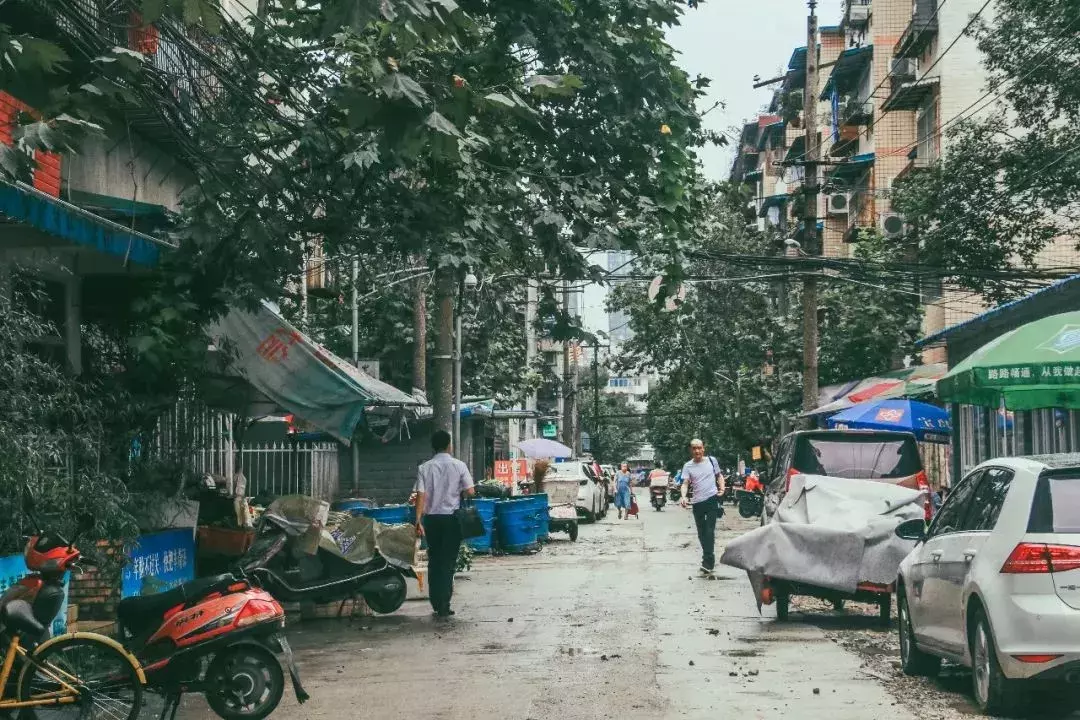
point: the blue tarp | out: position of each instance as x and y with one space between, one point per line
68 222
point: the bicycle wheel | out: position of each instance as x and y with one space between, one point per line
105 683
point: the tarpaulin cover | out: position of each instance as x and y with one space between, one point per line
357 540
298 374
829 532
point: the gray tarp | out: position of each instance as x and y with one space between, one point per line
298 374
829 532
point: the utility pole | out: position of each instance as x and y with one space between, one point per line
531 300
565 391
355 360
596 400
419 362
457 373
810 231
442 399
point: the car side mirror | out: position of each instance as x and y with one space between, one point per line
912 530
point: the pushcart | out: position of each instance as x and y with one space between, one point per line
562 510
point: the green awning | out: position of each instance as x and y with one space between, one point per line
770 202
1034 366
847 70
846 172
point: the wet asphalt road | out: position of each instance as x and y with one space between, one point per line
616 625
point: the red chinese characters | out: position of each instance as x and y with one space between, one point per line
275 346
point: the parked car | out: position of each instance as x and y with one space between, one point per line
994 582
591 499
878 455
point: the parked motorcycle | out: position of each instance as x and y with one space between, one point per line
751 497
293 575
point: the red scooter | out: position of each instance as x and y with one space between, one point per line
218 636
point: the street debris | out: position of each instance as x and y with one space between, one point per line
714 631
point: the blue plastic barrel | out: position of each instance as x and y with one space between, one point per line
515 525
541 518
391 514
485 508
353 506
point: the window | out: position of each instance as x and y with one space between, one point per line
988 498
860 457
926 129
1056 507
951 514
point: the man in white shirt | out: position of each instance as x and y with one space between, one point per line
702 478
440 484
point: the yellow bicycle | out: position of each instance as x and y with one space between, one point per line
81 675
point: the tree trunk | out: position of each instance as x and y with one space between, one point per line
419 363
443 392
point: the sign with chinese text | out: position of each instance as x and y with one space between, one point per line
13 568
159 562
549 430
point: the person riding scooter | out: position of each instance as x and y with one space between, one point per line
658 488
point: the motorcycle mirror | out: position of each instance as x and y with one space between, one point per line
27 498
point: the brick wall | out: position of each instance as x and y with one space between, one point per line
893 133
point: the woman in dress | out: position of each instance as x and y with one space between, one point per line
622 491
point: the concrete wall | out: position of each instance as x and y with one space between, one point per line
963 78
126 169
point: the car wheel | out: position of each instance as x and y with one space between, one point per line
994 693
913 661
885 609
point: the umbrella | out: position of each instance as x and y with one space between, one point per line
1034 366
928 422
543 448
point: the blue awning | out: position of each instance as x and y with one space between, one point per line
1071 283
848 68
845 172
53 216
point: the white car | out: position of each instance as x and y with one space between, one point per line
994 582
591 501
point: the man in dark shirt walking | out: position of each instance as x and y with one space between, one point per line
440 484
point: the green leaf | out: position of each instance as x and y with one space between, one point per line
192 11
499 99
398 85
439 123
152 10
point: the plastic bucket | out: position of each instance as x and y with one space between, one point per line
391 514
541 518
353 506
485 508
514 521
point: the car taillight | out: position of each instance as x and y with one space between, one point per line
923 484
1036 658
257 611
1028 558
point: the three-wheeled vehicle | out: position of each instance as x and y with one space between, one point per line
562 508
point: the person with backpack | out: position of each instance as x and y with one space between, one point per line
704 483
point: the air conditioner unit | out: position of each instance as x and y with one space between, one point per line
838 204
905 69
858 14
892 225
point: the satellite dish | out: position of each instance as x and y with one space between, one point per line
672 301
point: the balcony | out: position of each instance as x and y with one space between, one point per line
920 31
184 68
856 14
848 71
856 112
909 91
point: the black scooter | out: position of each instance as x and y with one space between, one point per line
291 575
658 496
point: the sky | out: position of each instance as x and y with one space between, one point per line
730 42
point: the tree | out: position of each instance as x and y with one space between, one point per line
1007 185
617 431
730 355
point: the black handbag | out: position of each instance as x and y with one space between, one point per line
469 521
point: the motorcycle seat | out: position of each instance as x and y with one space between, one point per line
17 616
137 613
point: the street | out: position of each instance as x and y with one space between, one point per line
615 625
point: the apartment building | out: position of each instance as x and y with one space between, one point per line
895 76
